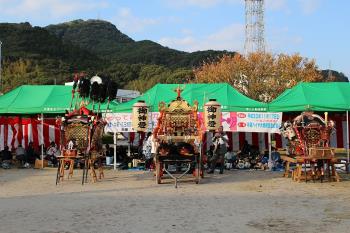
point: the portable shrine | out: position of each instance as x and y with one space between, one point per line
309 143
178 133
82 129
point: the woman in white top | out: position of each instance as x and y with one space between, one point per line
149 150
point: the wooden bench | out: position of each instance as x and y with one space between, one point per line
288 160
341 155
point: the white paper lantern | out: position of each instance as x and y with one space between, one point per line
212 115
140 116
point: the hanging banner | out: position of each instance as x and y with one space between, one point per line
122 122
264 122
118 122
231 121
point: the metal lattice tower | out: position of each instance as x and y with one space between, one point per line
254 28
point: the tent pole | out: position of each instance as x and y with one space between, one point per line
270 164
42 143
347 135
115 151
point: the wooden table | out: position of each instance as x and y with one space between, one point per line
299 174
89 163
62 160
193 160
288 160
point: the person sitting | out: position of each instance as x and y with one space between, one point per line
109 153
230 158
31 154
51 153
6 155
276 157
20 154
245 149
6 158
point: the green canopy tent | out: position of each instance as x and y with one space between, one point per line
330 96
230 99
42 99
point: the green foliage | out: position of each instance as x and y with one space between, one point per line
21 72
99 37
106 41
34 55
333 76
152 74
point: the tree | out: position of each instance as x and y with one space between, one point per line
260 76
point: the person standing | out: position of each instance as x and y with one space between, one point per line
109 155
220 141
147 150
154 148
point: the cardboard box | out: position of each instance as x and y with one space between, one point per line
38 163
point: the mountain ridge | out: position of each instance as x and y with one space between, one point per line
52 54
105 40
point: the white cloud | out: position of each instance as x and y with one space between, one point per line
281 40
48 8
130 23
297 40
228 38
309 6
200 3
186 31
276 4
269 4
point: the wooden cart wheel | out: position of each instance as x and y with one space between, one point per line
158 173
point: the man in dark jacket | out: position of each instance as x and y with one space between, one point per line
6 154
220 140
31 155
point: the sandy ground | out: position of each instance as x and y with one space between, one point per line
130 201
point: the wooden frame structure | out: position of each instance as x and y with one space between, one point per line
309 137
84 130
179 135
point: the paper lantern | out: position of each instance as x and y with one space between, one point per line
140 116
212 115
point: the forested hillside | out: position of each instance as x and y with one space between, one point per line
52 54
35 55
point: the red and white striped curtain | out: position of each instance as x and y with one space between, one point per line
18 130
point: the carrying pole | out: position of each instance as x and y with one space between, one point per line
115 151
347 135
270 163
42 143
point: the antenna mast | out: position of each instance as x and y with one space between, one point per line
254 28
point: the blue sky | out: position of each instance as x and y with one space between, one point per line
314 28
